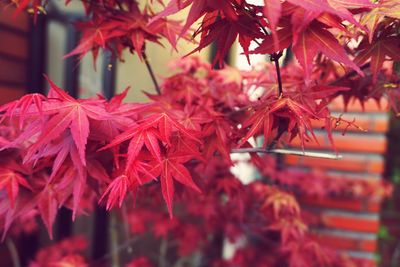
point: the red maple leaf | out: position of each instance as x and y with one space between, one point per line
70 114
386 46
199 8
171 168
316 39
225 31
149 131
11 180
266 114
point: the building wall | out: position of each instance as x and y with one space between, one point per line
14 54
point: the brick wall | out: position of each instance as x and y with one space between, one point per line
348 224
14 54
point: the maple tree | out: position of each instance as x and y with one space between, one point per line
57 151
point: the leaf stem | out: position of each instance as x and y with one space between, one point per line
151 72
275 58
13 252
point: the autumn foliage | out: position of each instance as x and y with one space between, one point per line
166 162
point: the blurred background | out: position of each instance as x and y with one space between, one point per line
365 228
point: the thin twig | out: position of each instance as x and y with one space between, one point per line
126 226
13 252
162 260
114 241
151 72
275 58
287 152
116 249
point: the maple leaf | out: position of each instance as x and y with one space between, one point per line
266 114
23 206
145 133
272 11
198 9
281 203
21 106
116 191
60 128
224 32
183 87
93 38
11 180
268 46
48 206
171 168
316 39
382 48
374 17
121 117
73 115
69 183
192 118
134 26
169 29
136 173
335 7
217 136
64 253
126 29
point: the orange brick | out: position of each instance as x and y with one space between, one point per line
345 243
349 142
350 223
354 164
10 93
345 204
14 45
381 125
7 17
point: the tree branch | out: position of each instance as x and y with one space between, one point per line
114 241
117 249
13 252
162 260
286 152
126 226
151 72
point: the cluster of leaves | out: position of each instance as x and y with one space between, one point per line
65 253
117 29
262 222
317 183
57 151
254 217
